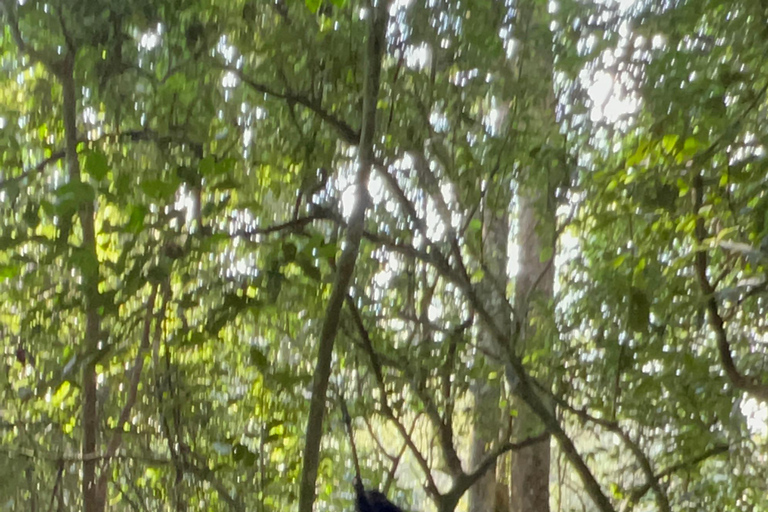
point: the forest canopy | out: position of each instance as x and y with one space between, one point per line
517 250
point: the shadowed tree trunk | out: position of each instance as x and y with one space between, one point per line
92 502
314 431
535 239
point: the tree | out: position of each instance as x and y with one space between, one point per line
188 287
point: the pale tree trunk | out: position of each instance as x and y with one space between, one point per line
487 420
535 279
535 239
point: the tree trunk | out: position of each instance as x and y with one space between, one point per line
530 466
535 239
91 501
314 432
487 421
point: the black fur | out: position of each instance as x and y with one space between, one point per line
373 501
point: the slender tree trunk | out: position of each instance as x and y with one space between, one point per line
487 421
346 266
482 495
530 466
91 501
535 239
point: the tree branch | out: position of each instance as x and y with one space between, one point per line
379 19
431 486
640 491
613 426
133 387
746 383
13 24
489 460
347 133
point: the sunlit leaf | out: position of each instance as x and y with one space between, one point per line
313 5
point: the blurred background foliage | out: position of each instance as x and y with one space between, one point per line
175 183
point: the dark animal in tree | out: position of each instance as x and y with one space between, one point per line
373 501
366 501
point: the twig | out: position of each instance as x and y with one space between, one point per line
347 133
747 383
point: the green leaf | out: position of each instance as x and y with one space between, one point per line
241 453
619 260
207 165
122 183
669 142
227 183
637 157
309 269
224 166
313 5
96 165
9 271
32 215
327 251
70 196
639 310
61 394
136 218
289 252
159 189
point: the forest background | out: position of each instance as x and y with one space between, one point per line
524 241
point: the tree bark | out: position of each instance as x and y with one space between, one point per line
535 238
535 279
346 266
487 419
91 501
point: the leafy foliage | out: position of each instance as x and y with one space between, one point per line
216 146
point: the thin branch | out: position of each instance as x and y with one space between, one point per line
36 454
522 386
746 383
133 387
637 493
291 226
13 24
132 136
57 483
347 133
55 157
376 50
206 474
613 426
431 486
489 460
71 47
